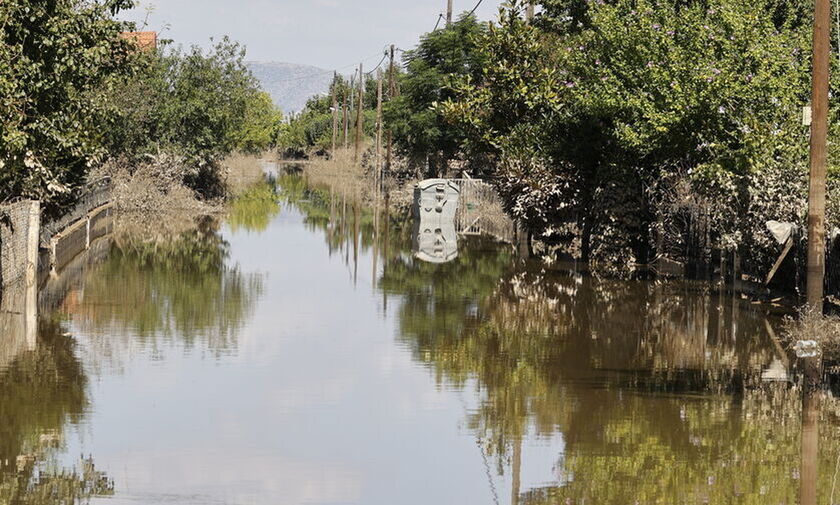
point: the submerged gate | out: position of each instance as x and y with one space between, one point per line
446 208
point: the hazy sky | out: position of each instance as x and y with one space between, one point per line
332 34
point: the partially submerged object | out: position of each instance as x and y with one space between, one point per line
807 349
435 206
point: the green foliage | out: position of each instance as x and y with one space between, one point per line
57 60
311 130
196 105
442 56
260 125
614 110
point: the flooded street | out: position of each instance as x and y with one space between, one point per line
298 353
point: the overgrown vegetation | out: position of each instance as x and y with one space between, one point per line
57 63
75 95
627 130
633 120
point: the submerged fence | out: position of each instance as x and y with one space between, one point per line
30 248
481 211
19 225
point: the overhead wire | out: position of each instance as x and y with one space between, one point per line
475 8
440 16
384 55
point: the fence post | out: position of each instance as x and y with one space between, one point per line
33 240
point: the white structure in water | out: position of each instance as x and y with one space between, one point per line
435 207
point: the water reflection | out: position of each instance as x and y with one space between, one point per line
177 287
18 322
43 389
255 208
538 384
661 391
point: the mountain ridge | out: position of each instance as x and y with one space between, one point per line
290 84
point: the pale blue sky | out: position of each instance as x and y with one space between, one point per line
331 34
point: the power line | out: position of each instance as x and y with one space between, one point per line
475 8
385 55
440 16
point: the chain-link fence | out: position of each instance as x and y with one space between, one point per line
481 211
19 223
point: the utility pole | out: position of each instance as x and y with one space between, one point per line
360 116
352 103
448 12
346 121
529 11
334 112
378 176
392 92
819 136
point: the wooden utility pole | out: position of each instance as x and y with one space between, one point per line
360 114
448 12
392 92
529 11
352 103
346 121
378 176
334 112
819 136
809 447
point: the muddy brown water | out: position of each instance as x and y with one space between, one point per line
297 353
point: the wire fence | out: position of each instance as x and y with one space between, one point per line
93 195
481 211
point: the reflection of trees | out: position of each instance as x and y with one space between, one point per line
440 302
707 449
176 287
654 385
41 391
255 208
337 214
600 361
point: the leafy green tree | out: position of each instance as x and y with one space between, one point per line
200 106
261 124
311 130
56 59
442 56
618 112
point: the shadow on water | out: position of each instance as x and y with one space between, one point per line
663 391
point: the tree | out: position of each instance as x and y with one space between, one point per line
261 124
56 57
199 106
619 115
442 56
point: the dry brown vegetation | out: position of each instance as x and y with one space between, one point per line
157 186
825 330
154 186
341 173
242 171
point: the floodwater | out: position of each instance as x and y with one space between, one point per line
297 353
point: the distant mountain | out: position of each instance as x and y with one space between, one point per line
291 85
